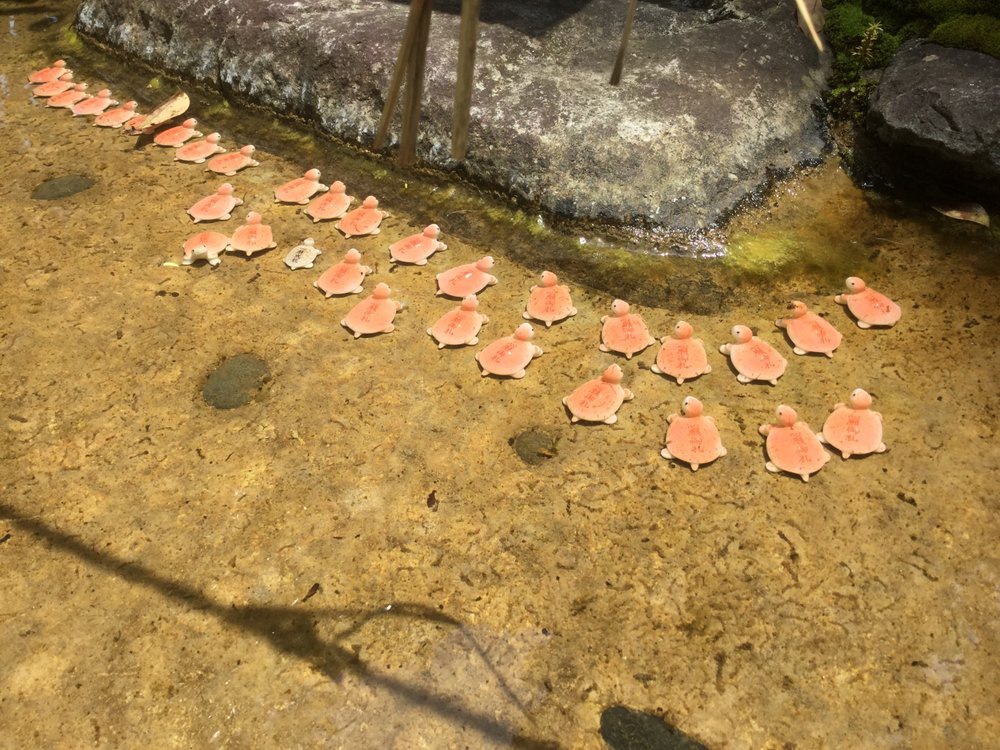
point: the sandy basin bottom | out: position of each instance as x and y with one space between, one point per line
156 553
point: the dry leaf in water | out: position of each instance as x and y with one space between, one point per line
176 105
965 212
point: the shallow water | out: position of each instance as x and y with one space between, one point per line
489 575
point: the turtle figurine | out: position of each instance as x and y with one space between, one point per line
459 326
623 331
178 135
508 356
230 164
93 105
810 334
854 428
205 246
304 255
681 356
53 72
692 437
115 118
363 220
301 189
791 446
216 207
53 87
345 277
550 301
753 358
69 97
598 400
196 152
470 278
417 248
373 314
332 205
869 307
252 237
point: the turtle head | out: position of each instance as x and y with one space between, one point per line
381 291
485 263
860 399
854 284
786 416
68 76
353 256
247 150
190 123
130 105
254 218
104 93
225 189
59 64
612 375
741 334
432 231
338 187
213 137
619 308
549 278
798 309
470 303
308 242
312 174
80 87
692 407
524 332
683 329
370 202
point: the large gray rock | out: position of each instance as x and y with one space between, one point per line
714 99
938 110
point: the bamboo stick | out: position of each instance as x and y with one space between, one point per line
463 82
616 74
402 60
414 88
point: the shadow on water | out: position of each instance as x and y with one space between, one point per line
292 630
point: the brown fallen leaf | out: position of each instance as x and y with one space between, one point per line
174 106
965 212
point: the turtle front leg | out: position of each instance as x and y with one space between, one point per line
798 350
654 368
694 467
805 477
536 353
771 467
765 429
862 324
628 394
780 323
518 375
666 454
389 328
603 348
840 299
612 419
744 379
882 448
726 348
471 342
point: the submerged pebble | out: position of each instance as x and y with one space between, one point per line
236 381
627 729
61 187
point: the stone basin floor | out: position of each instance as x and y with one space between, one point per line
159 557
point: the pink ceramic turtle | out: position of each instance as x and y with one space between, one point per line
205 246
57 86
373 314
624 332
178 135
681 356
853 428
869 307
692 437
93 105
417 248
115 118
197 151
363 220
598 400
69 97
53 72
753 358
471 278
216 207
810 334
508 356
301 189
345 277
230 164
252 237
459 326
135 125
791 446
333 205
549 302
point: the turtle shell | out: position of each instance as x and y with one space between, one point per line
595 401
813 333
457 327
694 440
795 449
371 315
52 88
506 356
757 360
52 73
360 221
332 205
626 334
416 248
94 105
873 308
300 190
461 281
682 359
852 431
230 164
69 97
344 277
205 245
252 237
198 151
178 135
550 304
115 118
215 207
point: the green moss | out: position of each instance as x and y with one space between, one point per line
944 10
980 33
845 26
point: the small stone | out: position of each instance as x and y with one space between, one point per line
61 187
534 447
627 729
236 381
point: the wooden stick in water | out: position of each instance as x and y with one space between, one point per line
405 48
414 87
463 85
616 74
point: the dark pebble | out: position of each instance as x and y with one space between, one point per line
236 381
